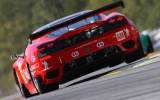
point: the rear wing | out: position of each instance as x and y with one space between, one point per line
103 9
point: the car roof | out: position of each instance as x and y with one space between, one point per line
61 20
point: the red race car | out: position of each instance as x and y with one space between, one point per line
86 39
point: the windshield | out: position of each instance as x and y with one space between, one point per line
76 25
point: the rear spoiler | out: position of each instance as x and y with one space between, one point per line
74 20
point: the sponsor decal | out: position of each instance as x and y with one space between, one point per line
100 44
122 35
75 54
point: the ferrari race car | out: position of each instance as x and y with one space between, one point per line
86 39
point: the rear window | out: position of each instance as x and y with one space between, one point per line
59 32
76 25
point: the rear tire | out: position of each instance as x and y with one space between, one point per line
135 55
25 93
44 88
41 87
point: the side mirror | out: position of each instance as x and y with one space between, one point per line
13 57
29 41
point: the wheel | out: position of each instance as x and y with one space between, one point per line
44 88
135 55
41 87
25 93
150 48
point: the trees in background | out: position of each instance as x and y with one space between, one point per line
145 13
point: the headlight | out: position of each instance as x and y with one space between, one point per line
46 66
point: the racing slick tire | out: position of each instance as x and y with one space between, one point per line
41 88
23 90
44 88
25 93
135 55
150 47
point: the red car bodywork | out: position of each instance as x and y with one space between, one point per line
113 33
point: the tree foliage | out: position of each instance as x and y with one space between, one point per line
145 13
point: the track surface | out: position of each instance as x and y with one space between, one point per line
139 81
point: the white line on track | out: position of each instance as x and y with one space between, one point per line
150 61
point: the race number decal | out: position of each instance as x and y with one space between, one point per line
120 35
123 34
75 54
100 44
